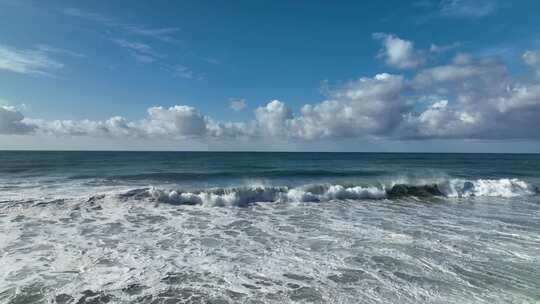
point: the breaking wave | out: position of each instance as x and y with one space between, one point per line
241 196
504 187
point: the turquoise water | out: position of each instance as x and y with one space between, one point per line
168 227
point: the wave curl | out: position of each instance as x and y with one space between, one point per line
241 196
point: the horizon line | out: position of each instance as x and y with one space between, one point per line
256 151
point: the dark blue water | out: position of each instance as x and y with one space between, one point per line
201 227
228 167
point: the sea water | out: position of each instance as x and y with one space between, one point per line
209 227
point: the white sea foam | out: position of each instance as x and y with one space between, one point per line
248 195
131 252
504 187
340 192
452 188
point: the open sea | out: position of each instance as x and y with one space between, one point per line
216 227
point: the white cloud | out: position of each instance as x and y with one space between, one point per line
75 12
467 8
184 72
55 50
114 126
460 69
398 52
139 51
367 106
144 53
12 121
218 129
438 49
273 118
31 61
532 59
237 104
519 96
165 34
466 98
182 120
174 122
484 102
439 121
135 46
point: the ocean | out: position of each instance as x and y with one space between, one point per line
241 227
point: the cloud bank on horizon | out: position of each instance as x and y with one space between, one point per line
417 90
466 98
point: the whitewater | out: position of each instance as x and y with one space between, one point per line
195 227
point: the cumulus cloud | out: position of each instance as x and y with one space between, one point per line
29 61
174 122
273 118
398 52
182 120
439 121
114 126
367 106
484 102
12 121
466 98
402 54
532 59
462 68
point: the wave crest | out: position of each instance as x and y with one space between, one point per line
241 196
504 187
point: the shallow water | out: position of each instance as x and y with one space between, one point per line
102 228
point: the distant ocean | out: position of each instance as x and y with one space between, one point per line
212 227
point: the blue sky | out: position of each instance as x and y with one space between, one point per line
270 75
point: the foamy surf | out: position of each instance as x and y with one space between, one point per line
115 227
240 196
505 187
